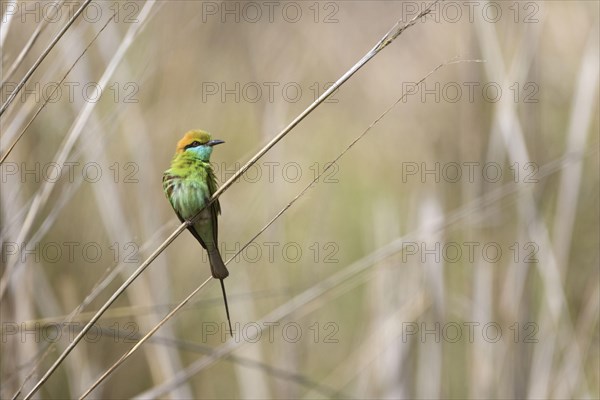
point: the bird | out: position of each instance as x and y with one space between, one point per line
188 185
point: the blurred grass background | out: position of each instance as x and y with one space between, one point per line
367 345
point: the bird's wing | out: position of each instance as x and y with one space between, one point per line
168 188
215 207
192 230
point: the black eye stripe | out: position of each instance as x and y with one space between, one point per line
195 143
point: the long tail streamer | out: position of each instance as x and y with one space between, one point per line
226 307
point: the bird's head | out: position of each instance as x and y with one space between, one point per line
198 143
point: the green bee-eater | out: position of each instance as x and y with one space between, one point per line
189 184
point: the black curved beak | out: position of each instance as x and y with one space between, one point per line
214 142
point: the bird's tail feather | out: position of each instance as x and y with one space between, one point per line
226 306
217 266
220 272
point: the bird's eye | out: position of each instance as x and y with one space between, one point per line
195 143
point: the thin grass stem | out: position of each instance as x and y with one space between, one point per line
27 48
12 146
41 58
